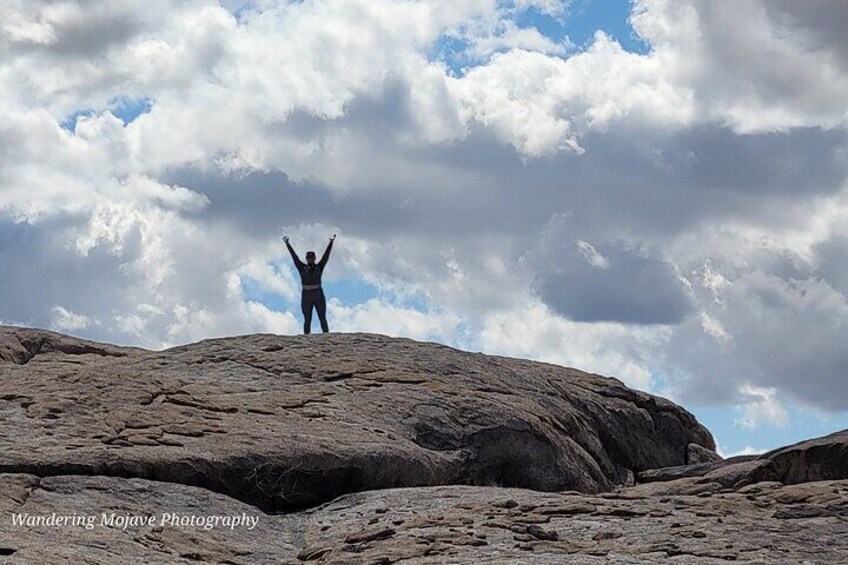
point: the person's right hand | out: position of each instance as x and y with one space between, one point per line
286 238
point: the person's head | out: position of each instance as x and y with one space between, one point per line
310 257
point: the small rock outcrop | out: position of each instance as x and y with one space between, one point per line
21 345
696 454
820 459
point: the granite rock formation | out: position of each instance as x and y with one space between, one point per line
288 422
360 448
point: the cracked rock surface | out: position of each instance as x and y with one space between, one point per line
288 422
680 523
359 448
766 523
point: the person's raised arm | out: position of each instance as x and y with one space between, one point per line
297 262
326 256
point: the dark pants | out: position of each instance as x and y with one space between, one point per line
315 298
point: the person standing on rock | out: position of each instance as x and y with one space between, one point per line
310 278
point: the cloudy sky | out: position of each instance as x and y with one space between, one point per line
655 190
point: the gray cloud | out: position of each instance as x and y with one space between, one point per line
783 333
627 182
633 289
832 262
42 273
820 25
603 280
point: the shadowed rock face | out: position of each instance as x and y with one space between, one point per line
672 522
819 459
288 422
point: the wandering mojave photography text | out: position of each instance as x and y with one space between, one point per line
126 521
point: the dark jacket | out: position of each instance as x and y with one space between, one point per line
310 275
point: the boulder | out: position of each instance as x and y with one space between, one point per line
677 472
819 459
694 470
696 454
286 422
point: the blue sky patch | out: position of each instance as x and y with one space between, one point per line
584 18
240 9
577 27
129 109
255 292
452 50
125 108
732 437
70 123
351 291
